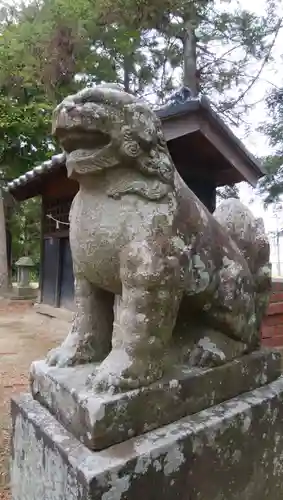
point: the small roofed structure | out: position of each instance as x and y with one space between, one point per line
205 151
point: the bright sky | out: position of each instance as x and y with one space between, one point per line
255 141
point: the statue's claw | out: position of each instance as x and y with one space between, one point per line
62 356
206 354
119 373
70 354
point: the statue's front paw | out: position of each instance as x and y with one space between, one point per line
119 372
206 354
64 356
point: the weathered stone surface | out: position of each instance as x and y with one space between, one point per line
233 451
100 420
142 242
250 237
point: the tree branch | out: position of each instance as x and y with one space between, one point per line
256 77
216 60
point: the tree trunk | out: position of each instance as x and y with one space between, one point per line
190 58
127 72
4 272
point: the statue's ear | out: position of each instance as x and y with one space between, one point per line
159 164
145 140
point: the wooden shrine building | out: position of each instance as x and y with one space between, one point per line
205 152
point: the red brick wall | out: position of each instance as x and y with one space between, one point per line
272 328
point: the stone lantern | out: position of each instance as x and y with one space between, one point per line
23 288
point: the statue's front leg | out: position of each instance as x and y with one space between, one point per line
144 318
89 339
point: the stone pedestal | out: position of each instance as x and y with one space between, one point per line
24 293
231 451
72 444
101 420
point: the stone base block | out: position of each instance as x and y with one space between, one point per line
232 451
24 293
101 420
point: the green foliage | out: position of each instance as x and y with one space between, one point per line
24 111
24 134
36 53
274 127
25 228
271 186
229 42
226 192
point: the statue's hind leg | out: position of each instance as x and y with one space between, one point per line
203 339
226 328
144 318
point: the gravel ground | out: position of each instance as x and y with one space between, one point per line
24 337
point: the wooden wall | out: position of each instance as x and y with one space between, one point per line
56 276
57 288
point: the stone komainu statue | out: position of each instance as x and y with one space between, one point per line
157 277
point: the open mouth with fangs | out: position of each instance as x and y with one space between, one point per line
81 144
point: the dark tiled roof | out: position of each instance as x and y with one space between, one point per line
55 162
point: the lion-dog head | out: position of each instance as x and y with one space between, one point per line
104 127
